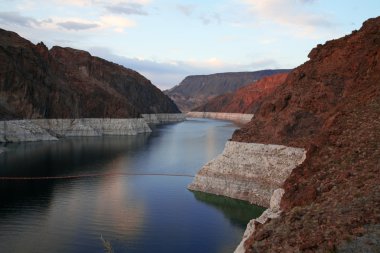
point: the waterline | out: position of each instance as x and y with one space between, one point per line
96 175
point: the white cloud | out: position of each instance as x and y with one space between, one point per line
117 23
210 18
127 9
293 14
186 9
15 18
171 72
77 26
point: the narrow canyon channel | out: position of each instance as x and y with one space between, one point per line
131 190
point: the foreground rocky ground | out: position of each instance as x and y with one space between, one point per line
331 106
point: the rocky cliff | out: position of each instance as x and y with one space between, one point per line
248 171
67 83
193 91
239 118
52 129
330 105
245 99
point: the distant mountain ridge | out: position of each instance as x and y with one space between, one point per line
245 99
68 83
196 90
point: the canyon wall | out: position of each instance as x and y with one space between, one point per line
23 130
248 171
237 117
159 118
245 99
66 83
196 90
52 129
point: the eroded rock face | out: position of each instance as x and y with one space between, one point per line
331 106
52 129
244 100
338 74
195 90
163 118
273 212
67 83
236 117
23 130
248 171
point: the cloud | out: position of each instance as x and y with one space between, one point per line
210 18
293 14
186 9
168 74
14 18
127 9
118 23
72 25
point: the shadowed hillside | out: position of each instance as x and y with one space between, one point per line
67 83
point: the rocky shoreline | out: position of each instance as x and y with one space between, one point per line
159 118
252 172
52 129
248 171
330 106
242 118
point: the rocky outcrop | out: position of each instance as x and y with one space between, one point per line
248 171
23 130
236 117
273 212
160 118
70 84
51 129
330 105
245 99
195 90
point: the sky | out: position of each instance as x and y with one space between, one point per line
167 40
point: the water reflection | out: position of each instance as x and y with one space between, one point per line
237 211
136 213
66 156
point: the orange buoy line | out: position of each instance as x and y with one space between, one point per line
95 175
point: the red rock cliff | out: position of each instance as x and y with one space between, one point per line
331 106
67 83
244 99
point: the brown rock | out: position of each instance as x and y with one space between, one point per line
67 83
195 90
333 110
244 99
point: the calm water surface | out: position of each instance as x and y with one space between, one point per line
135 213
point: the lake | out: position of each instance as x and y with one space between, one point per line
130 190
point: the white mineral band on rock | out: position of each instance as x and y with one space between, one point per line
248 171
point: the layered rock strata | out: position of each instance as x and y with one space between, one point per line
248 171
237 117
93 127
159 118
51 129
23 130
